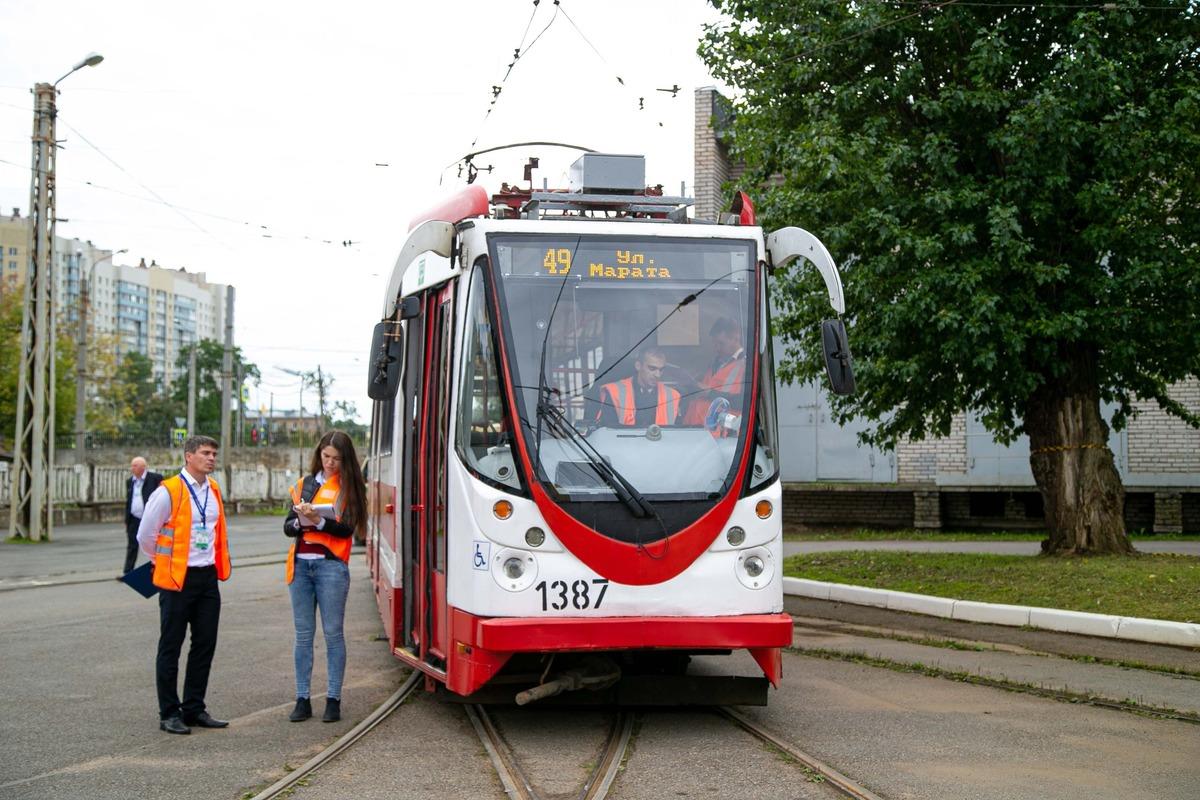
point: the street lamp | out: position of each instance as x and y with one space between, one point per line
81 349
31 514
90 60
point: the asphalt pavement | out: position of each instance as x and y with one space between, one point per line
81 720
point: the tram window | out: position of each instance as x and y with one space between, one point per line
483 439
765 467
443 424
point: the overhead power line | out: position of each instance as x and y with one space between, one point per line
132 177
263 231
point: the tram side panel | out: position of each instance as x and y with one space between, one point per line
383 548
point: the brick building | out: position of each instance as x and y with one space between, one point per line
967 479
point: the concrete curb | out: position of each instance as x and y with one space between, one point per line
1157 631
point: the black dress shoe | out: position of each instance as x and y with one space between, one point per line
302 711
173 725
333 710
205 720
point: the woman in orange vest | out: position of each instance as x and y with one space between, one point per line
329 507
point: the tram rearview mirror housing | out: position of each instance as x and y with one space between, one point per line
786 244
838 364
387 349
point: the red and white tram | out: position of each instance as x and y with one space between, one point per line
563 474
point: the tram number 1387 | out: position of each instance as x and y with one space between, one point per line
579 595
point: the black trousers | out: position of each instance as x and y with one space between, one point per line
197 605
131 544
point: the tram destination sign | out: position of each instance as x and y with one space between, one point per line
624 260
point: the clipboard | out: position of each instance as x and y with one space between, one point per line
140 580
325 510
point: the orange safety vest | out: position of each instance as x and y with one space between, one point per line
174 540
726 380
621 394
327 492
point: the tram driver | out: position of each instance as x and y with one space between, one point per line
726 376
642 399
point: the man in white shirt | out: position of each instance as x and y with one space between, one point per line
141 484
183 532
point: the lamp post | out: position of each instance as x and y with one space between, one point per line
81 351
31 507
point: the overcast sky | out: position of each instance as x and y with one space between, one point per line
257 119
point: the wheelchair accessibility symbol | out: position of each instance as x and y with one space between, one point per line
483 552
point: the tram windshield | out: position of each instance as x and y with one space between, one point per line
631 370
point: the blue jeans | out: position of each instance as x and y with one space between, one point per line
319 583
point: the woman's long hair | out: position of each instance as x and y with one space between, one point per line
353 485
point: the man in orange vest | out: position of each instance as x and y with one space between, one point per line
183 532
643 399
726 376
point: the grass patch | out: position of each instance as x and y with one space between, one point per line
796 534
23 540
1158 586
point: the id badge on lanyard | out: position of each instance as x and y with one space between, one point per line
201 535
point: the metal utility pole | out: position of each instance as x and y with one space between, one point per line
81 350
241 405
81 364
321 398
226 371
191 400
31 512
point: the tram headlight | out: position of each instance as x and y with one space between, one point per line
514 568
755 568
534 537
735 535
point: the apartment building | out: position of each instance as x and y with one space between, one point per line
141 308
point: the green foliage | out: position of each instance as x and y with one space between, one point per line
1002 184
209 354
10 369
345 418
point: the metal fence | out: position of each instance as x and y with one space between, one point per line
86 484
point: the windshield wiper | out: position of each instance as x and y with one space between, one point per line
557 422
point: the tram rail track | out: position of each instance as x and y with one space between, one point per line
841 783
385 709
517 784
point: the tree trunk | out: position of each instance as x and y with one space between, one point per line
1074 469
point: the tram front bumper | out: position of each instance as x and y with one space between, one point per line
541 634
482 645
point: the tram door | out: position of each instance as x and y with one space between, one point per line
425 605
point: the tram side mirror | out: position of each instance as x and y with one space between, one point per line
838 364
387 348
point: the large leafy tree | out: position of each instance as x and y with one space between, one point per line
1013 190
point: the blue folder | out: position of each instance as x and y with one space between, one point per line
140 580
